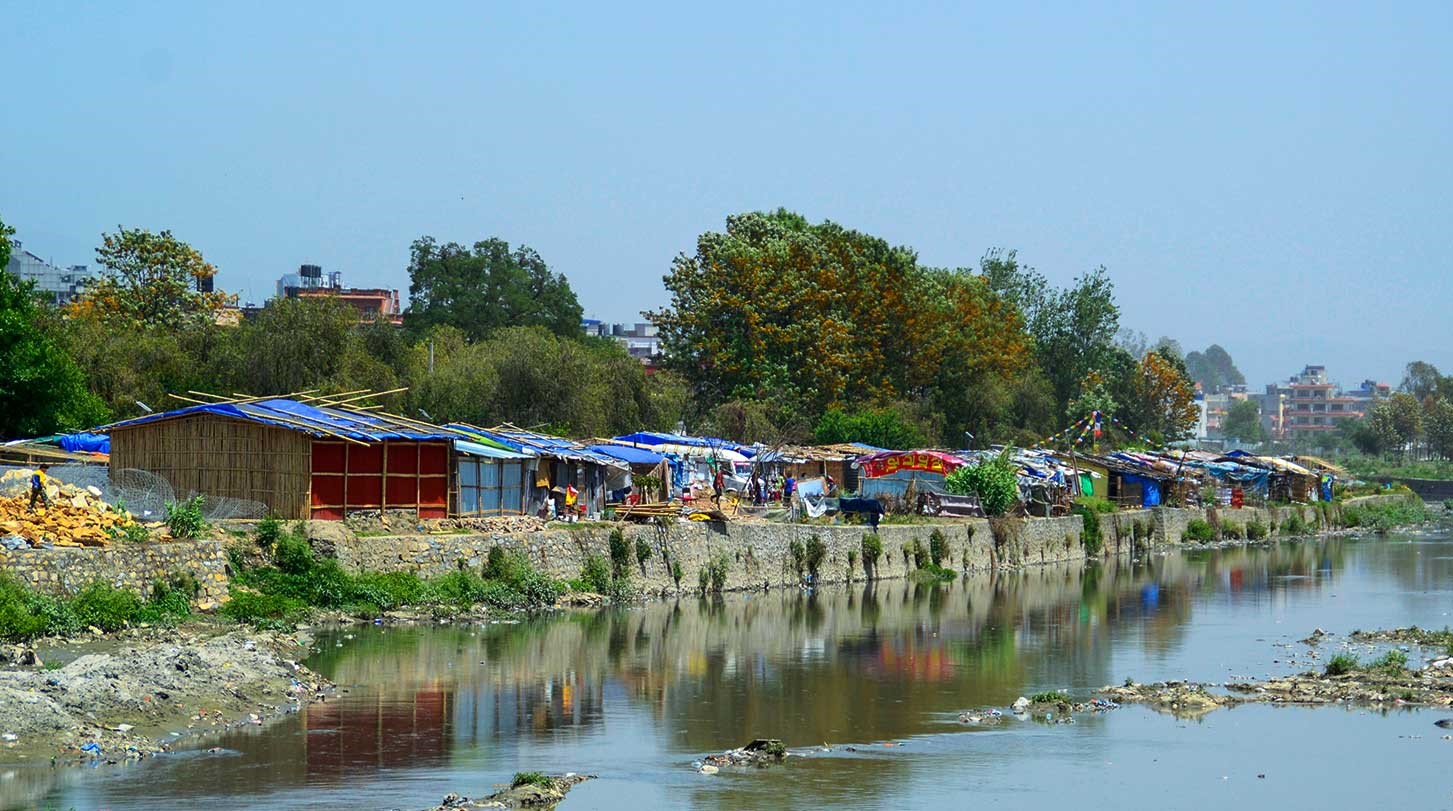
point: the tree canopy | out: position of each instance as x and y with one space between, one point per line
1243 422
1214 369
153 279
485 288
811 317
42 390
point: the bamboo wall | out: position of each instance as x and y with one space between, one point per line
220 456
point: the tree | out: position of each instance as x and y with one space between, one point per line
1422 380
153 280
886 427
6 232
42 390
293 345
1243 422
1073 330
1214 369
810 317
1438 426
1405 414
486 288
1165 397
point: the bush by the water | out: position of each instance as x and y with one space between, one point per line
1385 514
1199 530
297 579
1092 535
1255 530
937 547
25 614
816 553
1340 664
995 481
872 551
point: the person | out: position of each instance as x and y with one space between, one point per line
38 481
831 488
787 488
718 486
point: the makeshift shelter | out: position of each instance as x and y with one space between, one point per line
642 462
897 473
568 479
299 459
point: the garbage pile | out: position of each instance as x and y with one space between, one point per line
74 517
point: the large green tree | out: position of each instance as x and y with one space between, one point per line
1214 369
6 232
1073 329
151 279
42 390
1243 422
808 317
487 287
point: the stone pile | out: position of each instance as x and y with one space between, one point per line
74 517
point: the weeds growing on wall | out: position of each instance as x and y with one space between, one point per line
872 551
26 614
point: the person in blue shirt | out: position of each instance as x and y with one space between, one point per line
787 490
38 481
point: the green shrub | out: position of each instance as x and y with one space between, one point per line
269 530
1092 536
852 562
495 562
170 600
106 607
676 572
703 579
1340 664
1199 530
292 554
1295 524
19 618
1255 530
872 551
389 591
131 533
717 569
264 610
816 552
1095 504
596 574
1047 697
920 554
620 553
531 779
937 547
798 553
1393 663
995 481
185 519
643 553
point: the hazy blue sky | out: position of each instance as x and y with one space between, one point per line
1273 178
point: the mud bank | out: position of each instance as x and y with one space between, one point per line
142 698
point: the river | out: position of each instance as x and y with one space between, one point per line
636 695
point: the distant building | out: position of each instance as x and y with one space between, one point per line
641 339
1217 405
370 302
1309 404
59 285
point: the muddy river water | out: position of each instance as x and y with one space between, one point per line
636 695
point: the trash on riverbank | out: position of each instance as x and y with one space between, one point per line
122 705
530 790
1059 709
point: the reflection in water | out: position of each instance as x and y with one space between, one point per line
640 691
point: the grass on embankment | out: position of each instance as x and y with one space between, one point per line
281 592
25 614
1385 514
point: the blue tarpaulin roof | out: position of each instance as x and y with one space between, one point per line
320 421
653 438
85 443
625 453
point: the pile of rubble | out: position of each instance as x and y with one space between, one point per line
74 517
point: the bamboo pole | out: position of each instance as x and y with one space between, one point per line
311 427
329 396
331 401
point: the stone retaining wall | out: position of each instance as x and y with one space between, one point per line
758 555
63 572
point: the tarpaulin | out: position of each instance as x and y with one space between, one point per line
86 443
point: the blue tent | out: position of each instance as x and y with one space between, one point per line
629 455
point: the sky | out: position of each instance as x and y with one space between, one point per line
1274 178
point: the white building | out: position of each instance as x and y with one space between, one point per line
56 283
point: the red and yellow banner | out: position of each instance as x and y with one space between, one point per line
886 464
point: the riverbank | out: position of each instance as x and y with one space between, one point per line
128 699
